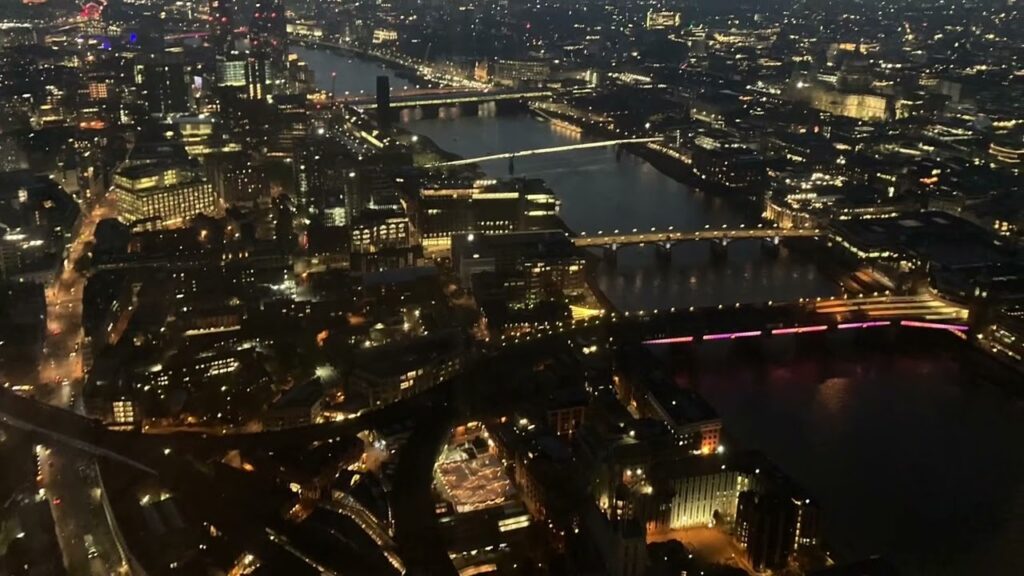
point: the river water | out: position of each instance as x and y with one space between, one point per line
353 76
602 192
910 454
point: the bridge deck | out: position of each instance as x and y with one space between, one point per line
401 101
671 236
539 151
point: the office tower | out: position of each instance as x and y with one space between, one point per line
231 72
268 36
163 84
257 77
221 25
162 195
383 102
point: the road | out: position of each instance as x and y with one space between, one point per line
71 484
61 370
710 545
70 477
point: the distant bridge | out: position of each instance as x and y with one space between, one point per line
186 35
668 237
539 151
446 97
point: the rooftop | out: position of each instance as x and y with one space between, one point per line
936 237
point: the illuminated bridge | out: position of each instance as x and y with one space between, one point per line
446 97
734 321
664 240
539 151
722 322
617 239
740 321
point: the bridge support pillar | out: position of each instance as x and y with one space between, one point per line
663 253
770 246
611 254
719 249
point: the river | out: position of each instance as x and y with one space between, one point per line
910 454
354 76
602 192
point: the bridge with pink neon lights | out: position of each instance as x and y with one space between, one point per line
740 321
654 327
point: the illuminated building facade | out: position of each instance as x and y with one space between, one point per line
232 72
376 230
1008 152
444 212
662 20
532 266
385 36
257 77
166 193
387 375
518 71
381 240
848 95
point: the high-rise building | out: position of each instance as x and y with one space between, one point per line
268 37
381 240
231 72
163 84
766 526
325 179
383 102
257 77
162 194
444 212
531 266
221 25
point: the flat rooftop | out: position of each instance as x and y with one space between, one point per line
932 236
470 476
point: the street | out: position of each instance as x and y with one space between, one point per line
61 370
70 478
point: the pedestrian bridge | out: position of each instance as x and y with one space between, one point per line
539 151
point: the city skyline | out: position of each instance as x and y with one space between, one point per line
633 288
